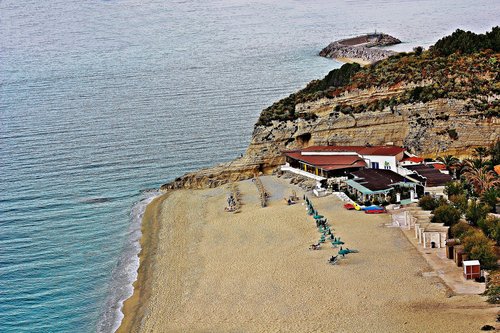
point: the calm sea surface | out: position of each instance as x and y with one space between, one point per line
101 101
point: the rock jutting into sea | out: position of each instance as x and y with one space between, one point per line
361 47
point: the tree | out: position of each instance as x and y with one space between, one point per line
491 197
481 178
476 211
491 228
479 247
467 42
454 188
428 203
494 153
480 152
446 214
450 161
473 163
460 202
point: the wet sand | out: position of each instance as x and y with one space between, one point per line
206 270
133 308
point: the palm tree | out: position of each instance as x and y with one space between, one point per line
476 163
480 152
494 153
450 161
481 178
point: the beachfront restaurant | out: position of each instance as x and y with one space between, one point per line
324 166
382 185
322 162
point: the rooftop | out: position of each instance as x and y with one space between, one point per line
329 162
414 159
378 179
433 177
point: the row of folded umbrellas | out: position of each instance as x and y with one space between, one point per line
326 232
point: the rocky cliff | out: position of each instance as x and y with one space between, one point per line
432 103
442 126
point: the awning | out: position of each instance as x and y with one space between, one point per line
363 189
404 184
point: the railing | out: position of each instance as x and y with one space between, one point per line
301 172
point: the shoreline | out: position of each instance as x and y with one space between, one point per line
353 60
189 306
133 307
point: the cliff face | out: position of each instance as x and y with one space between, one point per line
432 103
439 127
443 126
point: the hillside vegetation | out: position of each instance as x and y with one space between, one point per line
464 66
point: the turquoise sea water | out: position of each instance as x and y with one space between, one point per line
102 101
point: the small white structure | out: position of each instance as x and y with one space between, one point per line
388 162
403 220
319 191
431 235
472 269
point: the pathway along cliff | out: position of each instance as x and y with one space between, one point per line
433 103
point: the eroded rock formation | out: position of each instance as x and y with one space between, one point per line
442 126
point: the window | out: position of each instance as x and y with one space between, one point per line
375 165
387 165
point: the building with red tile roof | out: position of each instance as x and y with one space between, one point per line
325 165
334 161
412 160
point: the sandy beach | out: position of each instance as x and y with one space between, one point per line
206 270
353 60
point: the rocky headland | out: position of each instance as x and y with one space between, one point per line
433 103
361 47
440 127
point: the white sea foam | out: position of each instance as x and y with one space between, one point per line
125 273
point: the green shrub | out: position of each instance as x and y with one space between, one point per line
491 227
336 78
493 293
476 211
460 229
460 202
453 134
428 203
446 214
467 42
454 75
454 188
479 247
